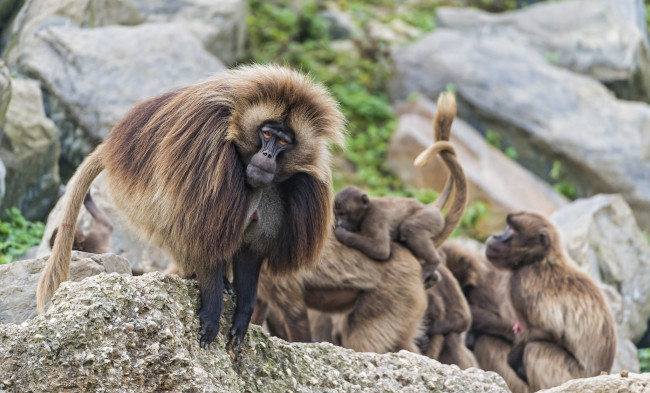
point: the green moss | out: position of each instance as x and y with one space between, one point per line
17 235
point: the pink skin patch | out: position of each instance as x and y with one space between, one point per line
517 328
254 216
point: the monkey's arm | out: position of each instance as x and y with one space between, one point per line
487 321
376 246
455 321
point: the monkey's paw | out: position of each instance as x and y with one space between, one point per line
432 279
236 336
208 332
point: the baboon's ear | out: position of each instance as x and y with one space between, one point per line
543 238
365 200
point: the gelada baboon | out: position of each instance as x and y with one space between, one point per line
369 224
98 238
446 322
568 329
233 169
486 289
380 304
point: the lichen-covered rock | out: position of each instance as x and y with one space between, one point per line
599 38
549 115
91 77
621 383
139 334
18 281
494 179
219 25
602 236
125 241
30 151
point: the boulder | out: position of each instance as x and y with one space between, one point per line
91 77
125 241
604 39
30 151
5 92
602 236
627 357
493 178
219 25
139 334
18 281
622 382
5 97
550 116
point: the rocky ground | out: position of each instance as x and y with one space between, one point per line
553 97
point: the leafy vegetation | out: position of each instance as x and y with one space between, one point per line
17 235
644 359
563 187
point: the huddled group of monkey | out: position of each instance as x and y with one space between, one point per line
232 177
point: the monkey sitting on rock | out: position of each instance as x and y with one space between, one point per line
370 224
565 328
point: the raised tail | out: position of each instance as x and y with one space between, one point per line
58 266
456 182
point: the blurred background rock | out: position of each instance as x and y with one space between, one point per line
553 109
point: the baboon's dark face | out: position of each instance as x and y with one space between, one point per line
350 207
526 240
262 170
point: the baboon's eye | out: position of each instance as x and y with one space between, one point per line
267 134
284 142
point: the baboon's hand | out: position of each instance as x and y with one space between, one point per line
341 234
237 334
209 330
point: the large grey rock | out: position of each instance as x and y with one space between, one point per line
626 357
547 113
92 76
5 92
139 334
18 281
5 97
621 383
493 178
219 25
125 241
599 38
30 150
602 236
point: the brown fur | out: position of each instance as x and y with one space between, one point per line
486 290
176 167
568 327
380 310
447 319
98 238
369 224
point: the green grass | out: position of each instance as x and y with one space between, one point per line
17 235
644 359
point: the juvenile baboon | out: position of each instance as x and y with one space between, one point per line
379 305
486 290
370 224
234 169
568 329
446 321
98 238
